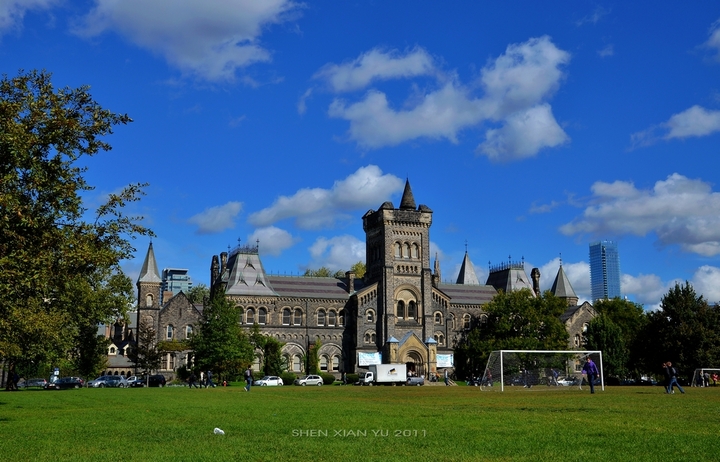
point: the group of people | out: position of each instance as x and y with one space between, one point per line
671 378
704 379
205 380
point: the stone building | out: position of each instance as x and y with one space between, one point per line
400 311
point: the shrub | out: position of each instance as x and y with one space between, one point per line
352 378
288 378
328 379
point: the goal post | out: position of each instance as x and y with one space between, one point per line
529 368
705 377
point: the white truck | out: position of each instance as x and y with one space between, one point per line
384 374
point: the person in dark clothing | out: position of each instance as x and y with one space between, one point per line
192 381
672 372
208 379
592 372
248 379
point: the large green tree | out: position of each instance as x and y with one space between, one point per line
273 361
515 321
221 344
198 294
604 335
685 330
50 244
145 354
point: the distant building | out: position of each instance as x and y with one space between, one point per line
604 270
174 281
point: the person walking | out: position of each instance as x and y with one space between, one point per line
192 381
592 372
208 379
447 384
672 372
248 379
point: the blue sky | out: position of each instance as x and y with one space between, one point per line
530 128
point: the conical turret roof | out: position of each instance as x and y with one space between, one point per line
467 273
149 271
408 201
561 287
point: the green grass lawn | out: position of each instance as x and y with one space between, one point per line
360 423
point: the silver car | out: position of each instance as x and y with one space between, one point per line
110 381
309 380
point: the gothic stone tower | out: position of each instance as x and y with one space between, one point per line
398 259
148 284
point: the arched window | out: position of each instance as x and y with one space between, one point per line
112 350
369 337
323 363
296 363
262 316
412 311
370 316
148 300
406 253
585 326
286 317
321 317
372 337
438 319
415 251
335 363
483 319
577 340
452 321
297 317
331 318
398 252
341 318
466 321
250 315
169 331
188 332
400 309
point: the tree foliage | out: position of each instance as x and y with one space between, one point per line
630 319
145 353
48 250
359 269
221 344
604 335
198 293
685 330
515 321
273 361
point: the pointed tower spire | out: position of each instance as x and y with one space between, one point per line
562 288
149 271
408 201
437 275
467 273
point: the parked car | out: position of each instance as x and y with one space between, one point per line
568 381
417 381
109 381
269 380
33 383
157 380
134 381
309 380
65 382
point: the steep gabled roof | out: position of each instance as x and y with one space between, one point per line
149 271
408 201
467 273
247 275
561 287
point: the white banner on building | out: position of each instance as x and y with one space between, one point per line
366 359
445 361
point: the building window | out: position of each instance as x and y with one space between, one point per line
286 317
438 319
370 316
585 326
411 311
335 363
296 363
415 251
297 318
452 321
148 300
262 316
341 318
188 332
112 350
400 309
321 318
577 340
466 321
331 318
250 315
398 253
406 254
170 332
440 338
483 319
369 337
323 363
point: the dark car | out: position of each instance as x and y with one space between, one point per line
65 382
157 380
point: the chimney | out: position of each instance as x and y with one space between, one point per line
350 281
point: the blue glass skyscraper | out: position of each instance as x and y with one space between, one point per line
604 270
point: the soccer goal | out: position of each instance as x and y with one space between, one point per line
705 377
554 369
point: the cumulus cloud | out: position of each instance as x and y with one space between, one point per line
272 240
714 39
216 219
12 12
210 39
679 210
693 122
337 253
315 208
706 281
577 273
375 65
516 88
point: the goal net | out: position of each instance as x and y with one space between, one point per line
706 377
538 368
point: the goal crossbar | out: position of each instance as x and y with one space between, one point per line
570 352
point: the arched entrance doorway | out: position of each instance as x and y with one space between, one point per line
415 364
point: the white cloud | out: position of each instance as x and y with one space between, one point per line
696 121
210 39
216 219
516 85
678 210
316 208
12 12
523 135
577 273
272 240
593 18
606 51
714 40
706 281
337 253
375 65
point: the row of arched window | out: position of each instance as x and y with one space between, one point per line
328 363
370 337
294 317
406 250
170 332
330 318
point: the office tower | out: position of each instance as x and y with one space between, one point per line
604 270
174 280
